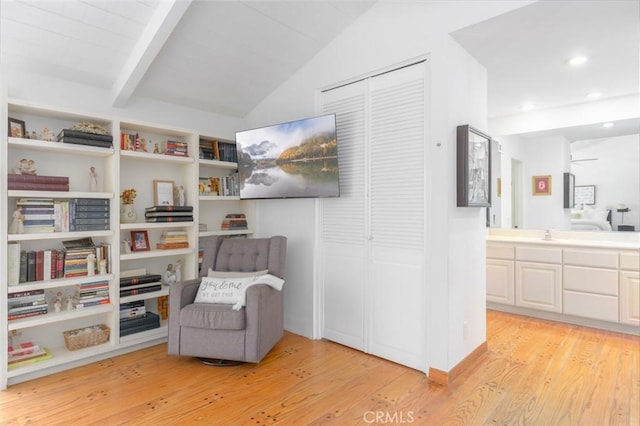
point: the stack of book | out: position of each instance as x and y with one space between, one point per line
37 183
38 213
75 257
168 214
131 310
177 148
89 214
208 150
136 324
140 284
85 138
173 240
234 221
93 293
38 265
25 304
26 353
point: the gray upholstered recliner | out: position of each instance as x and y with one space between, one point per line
215 331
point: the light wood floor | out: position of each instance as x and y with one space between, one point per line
535 373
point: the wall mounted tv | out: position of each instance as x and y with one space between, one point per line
298 159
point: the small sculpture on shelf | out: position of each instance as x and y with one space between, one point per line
70 303
25 167
103 267
127 211
169 275
181 196
57 302
17 224
177 270
126 246
91 264
47 135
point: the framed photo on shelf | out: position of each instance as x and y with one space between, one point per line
140 241
17 128
585 194
541 185
473 168
163 192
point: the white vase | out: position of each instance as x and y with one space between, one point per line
128 213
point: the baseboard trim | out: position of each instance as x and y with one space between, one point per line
444 378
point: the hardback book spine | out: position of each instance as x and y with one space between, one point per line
90 221
169 209
12 177
23 266
136 291
170 219
77 228
31 266
22 186
87 142
15 295
149 278
83 135
13 264
91 201
92 208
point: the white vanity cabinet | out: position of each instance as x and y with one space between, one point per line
630 288
500 273
590 283
538 278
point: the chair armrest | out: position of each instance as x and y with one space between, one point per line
180 295
265 320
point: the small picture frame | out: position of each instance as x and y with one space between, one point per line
17 128
585 194
541 185
140 241
163 192
473 167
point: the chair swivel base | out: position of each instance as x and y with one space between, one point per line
214 362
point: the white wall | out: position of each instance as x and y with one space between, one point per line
615 174
391 33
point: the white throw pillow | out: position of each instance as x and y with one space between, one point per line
232 290
600 215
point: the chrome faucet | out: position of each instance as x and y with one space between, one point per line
547 235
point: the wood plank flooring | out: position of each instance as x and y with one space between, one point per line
535 372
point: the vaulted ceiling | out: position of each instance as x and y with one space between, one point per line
227 56
219 56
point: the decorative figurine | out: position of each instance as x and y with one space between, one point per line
17 225
57 302
126 245
47 135
103 266
177 272
169 275
91 264
70 305
93 179
25 167
181 196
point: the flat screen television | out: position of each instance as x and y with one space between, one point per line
297 159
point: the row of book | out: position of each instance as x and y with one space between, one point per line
40 265
173 240
29 182
93 294
234 221
85 138
140 284
26 353
82 214
215 150
168 214
223 185
177 148
25 304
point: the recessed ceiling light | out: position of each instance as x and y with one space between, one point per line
607 125
527 106
577 61
594 95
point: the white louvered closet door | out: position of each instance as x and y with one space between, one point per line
382 266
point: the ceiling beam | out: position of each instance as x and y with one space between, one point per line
154 36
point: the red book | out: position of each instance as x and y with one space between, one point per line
39 265
54 264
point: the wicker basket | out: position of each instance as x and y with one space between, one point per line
86 337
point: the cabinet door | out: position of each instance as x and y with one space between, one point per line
500 281
539 286
630 297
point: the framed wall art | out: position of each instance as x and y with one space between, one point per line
17 128
140 241
473 167
585 194
163 192
541 185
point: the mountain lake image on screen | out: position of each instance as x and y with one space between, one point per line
297 159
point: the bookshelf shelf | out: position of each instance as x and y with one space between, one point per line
58 194
225 233
58 235
52 317
144 336
147 156
145 296
60 282
155 253
37 145
218 198
151 225
218 164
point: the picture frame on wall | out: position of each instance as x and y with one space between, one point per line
541 185
569 190
140 241
585 194
473 167
17 128
163 192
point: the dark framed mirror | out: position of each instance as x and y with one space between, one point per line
473 167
